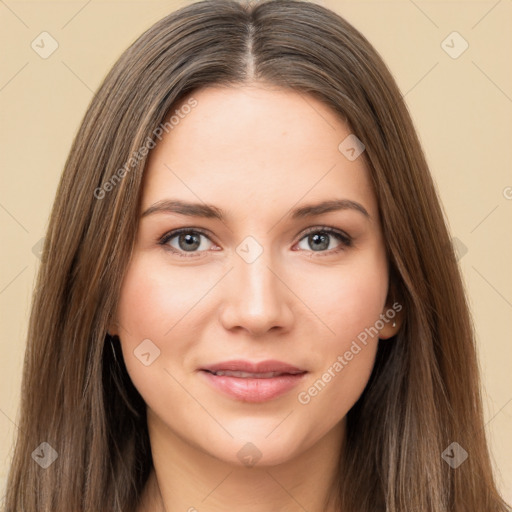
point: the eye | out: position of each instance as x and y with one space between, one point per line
320 240
189 243
185 240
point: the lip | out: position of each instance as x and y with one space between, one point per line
270 365
253 389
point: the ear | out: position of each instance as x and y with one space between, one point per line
392 317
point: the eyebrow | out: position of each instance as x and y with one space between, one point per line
212 212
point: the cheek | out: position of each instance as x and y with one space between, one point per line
349 299
155 299
349 302
156 304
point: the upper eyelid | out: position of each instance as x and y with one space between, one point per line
328 229
175 232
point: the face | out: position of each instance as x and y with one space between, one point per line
239 269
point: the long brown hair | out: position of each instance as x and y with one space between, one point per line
77 396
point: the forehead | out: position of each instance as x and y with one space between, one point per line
255 148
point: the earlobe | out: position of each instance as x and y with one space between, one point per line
392 318
390 330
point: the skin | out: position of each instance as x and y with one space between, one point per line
256 152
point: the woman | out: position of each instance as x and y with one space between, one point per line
248 296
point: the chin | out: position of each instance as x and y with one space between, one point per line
255 446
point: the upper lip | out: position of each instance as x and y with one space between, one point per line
253 367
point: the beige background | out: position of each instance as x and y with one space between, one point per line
461 107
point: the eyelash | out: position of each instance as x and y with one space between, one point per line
346 240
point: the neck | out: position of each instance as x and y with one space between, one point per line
188 479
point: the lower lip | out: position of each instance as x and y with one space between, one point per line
253 390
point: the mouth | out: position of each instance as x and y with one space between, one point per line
251 375
253 382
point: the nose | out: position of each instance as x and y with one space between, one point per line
257 298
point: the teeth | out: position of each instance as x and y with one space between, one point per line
247 375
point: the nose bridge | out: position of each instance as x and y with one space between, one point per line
257 281
257 287
257 300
